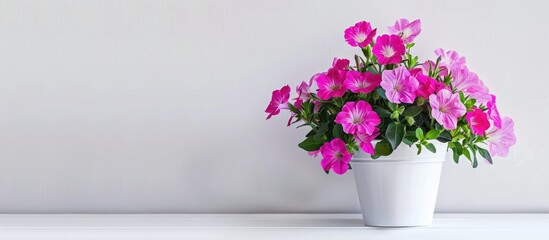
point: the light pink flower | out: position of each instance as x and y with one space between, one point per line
365 141
469 83
449 60
279 100
314 153
478 121
407 30
427 85
331 84
501 139
400 85
362 82
430 66
361 34
447 108
358 117
335 156
493 112
389 49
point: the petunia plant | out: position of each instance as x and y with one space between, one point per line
387 98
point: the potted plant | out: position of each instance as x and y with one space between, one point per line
391 119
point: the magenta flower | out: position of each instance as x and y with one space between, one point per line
358 117
389 49
478 121
365 141
400 85
493 112
449 60
340 64
279 100
362 82
501 139
407 30
331 84
427 85
447 108
361 34
335 156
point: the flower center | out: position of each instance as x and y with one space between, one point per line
397 88
360 37
406 33
443 109
338 155
356 118
334 87
363 84
388 51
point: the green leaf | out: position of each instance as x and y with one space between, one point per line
321 130
455 155
462 97
395 133
381 92
312 144
419 134
375 156
458 147
337 132
467 154
293 108
311 133
444 136
412 111
470 102
383 148
485 154
382 112
432 134
420 119
418 148
431 147
475 162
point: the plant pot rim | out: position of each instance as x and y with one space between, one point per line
404 154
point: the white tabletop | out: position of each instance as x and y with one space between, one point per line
265 226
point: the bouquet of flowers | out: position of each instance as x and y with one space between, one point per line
387 97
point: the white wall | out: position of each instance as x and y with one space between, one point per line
157 106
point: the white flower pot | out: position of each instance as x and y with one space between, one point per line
401 189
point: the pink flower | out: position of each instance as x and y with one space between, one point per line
449 60
358 117
365 141
430 66
469 83
361 34
279 100
478 121
389 49
340 64
399 85
501 139
447 108
408 31
331 84
335 156
361 82
428 86
493 112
